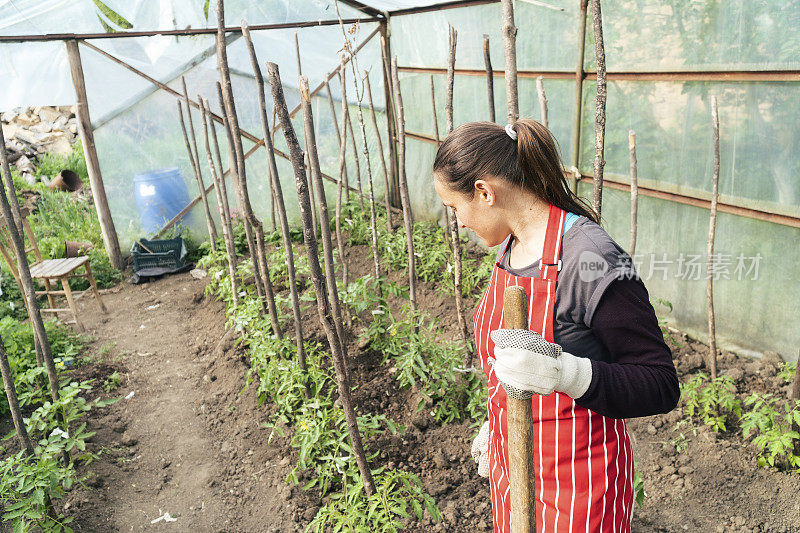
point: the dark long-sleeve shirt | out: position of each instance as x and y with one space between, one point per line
603 313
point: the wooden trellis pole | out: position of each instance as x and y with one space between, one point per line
212 231
391 119
487 59
342 184
408 218
318 278
542 101
9 208
452 220
794 395
222 196
196 155
346 112
510 50
258 250
277 193
315 175
16 413
305 142
634 192
348 46
387 188
433 109
335 119
110 238
712 227
600 106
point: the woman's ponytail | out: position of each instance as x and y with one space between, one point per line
531 161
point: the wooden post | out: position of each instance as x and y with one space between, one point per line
9 209
341 188
110 238
510 50
634 192
578 101
220 189
600 108
520 428
387 188
316 176
712 227
277 193
333 114
318 278
542 101
487 59
348 45
408 218
433 108
794 396
259 251
212 230
452 220
388 90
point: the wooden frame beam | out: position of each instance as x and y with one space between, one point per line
186 32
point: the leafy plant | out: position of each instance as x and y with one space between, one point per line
712 402
398 495
112 382
638 487
772 427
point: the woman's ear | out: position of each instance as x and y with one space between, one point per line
485 191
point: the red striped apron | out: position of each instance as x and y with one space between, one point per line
583 461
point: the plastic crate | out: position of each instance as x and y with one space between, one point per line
166 253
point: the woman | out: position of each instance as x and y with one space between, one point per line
596 354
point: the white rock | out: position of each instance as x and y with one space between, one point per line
73 129
8 116
26 120
48 114
43 127
27 136
60 145
24 164
10 131
60 122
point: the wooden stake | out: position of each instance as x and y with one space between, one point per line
510 51
318 278
277 193
452 220
433 108
712 227
316 176
222 197
487 59
341 186
9 203
212 230
794 395
359 100
110 238
16 415
520 428
404 197
634 192
600 107
297 54
248 230
260 257
391 122
387 188
13 402
355 151
542 101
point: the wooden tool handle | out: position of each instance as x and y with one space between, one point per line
520 428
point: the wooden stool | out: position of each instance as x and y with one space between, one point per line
55 270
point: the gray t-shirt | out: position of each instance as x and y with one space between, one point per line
590 261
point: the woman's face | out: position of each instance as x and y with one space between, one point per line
478 213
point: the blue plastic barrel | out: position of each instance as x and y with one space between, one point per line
160 195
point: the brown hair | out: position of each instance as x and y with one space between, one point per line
478 149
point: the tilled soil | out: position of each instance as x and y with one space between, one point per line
191 441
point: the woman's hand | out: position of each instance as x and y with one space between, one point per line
524 360
480 450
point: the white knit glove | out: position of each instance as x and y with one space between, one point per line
525 361
480 450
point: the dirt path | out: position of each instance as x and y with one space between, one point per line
171 457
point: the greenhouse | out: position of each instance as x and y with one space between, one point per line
673 122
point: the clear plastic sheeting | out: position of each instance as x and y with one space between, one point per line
547 39
672 121
686 35
755 286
